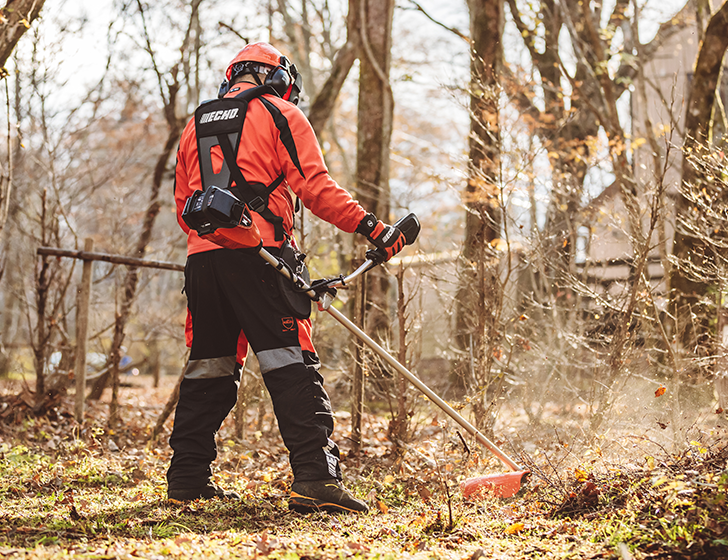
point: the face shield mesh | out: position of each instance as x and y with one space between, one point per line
242 68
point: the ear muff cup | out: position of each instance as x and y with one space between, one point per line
280 80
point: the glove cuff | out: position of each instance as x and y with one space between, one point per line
367 225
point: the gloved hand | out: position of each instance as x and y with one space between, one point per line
385 237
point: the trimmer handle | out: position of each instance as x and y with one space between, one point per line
410 228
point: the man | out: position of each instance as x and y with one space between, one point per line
234 299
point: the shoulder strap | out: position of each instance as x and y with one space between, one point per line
220 123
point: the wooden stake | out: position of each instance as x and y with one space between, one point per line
84 295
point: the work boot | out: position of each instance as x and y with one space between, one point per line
323 495
208 491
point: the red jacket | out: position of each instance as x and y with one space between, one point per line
262 156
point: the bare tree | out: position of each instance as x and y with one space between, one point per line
479 297
323 103
374 131
168 92
16 18
42 214
567 133
690 295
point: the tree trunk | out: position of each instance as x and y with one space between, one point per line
688 293
168 408
323 104
43 279
478 297
17 15
359 377
15 20
375 114
155 360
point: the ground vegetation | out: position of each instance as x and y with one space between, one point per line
87 491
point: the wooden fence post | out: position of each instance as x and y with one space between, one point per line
82 305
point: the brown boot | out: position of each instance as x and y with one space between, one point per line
323 495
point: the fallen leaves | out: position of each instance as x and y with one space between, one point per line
424 493
514 528
264 544
357 547
581 475
381 506
660 391
121 495
138 475
699 447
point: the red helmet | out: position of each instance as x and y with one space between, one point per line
282 76
263 53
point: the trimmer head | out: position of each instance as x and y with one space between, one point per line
499 485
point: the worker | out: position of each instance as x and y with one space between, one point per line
233 295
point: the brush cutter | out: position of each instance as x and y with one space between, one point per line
218 215
324 292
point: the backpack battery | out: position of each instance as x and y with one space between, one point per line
214 208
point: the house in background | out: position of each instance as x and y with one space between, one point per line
605 252
659 105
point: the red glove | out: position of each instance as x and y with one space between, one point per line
387 238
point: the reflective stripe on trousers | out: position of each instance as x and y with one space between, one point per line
210 368
278 358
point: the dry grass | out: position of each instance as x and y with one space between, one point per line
87 492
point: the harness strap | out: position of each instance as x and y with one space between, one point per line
255 195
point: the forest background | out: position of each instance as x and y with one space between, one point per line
566 291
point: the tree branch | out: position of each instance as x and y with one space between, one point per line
454 30
15 19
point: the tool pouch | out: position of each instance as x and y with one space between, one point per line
295 298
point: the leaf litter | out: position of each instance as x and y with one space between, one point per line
91 492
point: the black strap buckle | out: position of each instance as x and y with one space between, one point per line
257 204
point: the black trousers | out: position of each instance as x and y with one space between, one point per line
229 292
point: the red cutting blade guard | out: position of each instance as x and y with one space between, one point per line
498 485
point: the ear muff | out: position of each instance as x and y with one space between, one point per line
279 79
285 80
